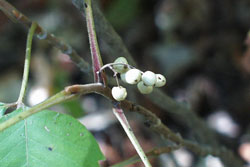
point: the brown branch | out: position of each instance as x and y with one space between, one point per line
115 46
185 116
112 39
17 16
150 154
154 122
156 125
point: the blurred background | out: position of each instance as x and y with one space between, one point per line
201 46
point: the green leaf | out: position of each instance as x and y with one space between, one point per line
48 139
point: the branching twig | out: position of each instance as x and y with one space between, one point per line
107 33
112 39
151 154
155 123
100 76
26 64
17 16
57 98
179 112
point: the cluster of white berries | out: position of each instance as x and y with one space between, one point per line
145 80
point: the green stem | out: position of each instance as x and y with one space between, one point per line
124 122
65 95
58 98
156 125
27 63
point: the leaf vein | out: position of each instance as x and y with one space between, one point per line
26 143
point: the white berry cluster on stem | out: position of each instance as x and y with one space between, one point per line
145 81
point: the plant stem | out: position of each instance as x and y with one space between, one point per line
60 97
124 122
150 154
115 46
27 63
94 48
154 122
109 65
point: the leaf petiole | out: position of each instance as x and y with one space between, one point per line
26 64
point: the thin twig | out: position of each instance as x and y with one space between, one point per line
184 115
94 48
60 97
100 75
150 154
205 135
27 63
124 122
156 125
178 111
111 38
19 17
112 64
114 46
154 122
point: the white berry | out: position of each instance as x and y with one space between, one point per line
119 67
144 89
149 78
160 80
119 93
133 76
123 77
